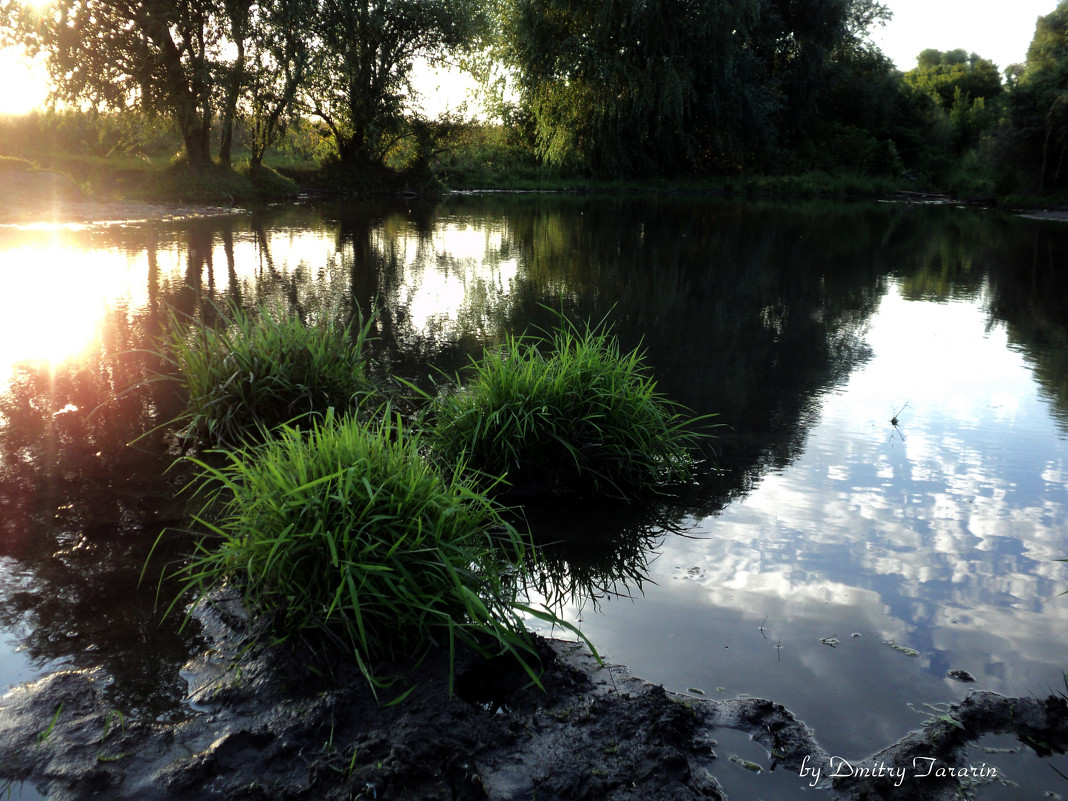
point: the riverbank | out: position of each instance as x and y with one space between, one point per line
96 181
263 723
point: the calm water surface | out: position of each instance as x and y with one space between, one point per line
888 501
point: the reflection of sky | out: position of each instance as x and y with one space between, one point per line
442 279
939 535
453 279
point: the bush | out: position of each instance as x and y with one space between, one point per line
347 532
255 372
570 412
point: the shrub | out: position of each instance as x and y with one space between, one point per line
569 412
257 371
349 533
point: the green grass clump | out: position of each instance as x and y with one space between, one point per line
349 533
254 372
566 413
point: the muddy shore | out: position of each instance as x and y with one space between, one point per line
261 724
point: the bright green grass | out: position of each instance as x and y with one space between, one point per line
253 372
570 412
347 534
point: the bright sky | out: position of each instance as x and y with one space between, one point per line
999 30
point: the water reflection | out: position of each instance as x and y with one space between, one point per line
805 329
80 510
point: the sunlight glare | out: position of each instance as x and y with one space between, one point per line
25 82
61 296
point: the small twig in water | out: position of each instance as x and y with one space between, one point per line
778 647
760 628
893 420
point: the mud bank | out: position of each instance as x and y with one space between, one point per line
261 725
40 197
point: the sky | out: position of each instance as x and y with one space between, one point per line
999 30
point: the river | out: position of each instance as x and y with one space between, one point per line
887 501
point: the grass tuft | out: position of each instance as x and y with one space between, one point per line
252 372
347 534
569 412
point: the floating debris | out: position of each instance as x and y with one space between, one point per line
960 675
901 648
745 763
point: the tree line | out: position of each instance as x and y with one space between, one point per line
599 87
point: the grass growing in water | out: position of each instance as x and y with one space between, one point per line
567 412
349 533
256 371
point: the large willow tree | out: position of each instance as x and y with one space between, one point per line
643 86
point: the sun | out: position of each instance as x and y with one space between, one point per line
25 82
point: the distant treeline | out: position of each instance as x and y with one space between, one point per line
597 88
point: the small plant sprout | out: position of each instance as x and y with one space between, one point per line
43 736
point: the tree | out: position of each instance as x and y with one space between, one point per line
360 82
945 76
645 86
278 58
963 91
1038 102
802 44
153 54
636 86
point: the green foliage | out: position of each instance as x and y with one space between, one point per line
644 88
628 86
963 93
1039 102
347 536
100 134
481 155
253 372
158 55
566 413
947 76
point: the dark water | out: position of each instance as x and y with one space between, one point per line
890 472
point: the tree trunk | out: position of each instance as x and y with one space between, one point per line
238 14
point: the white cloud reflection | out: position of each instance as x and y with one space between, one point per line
940 535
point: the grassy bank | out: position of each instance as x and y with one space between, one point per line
116 157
